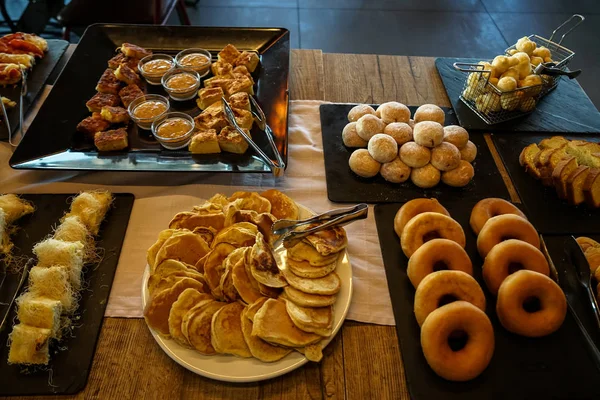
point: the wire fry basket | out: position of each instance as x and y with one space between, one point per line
493 105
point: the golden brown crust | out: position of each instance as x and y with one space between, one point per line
240 100
113 140
127 75
208 96
121 58
100 100
129 93
231 141
229 54
134 51
92 124
247 59
114 115
108 83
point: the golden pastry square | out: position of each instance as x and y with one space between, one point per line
222 68
243 84
120 58
229 54
114 114
248 59
243 118
240 100
111 140
108 82
134 51
209 120
100 100
92 124
217 81
129 93
231 141
125 74
205 142
208 96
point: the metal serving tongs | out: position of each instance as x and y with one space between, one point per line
22 280
551 69
22 95
284 230
278 166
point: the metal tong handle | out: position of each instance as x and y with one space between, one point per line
261 121
550 69
594 303
22 95
581 19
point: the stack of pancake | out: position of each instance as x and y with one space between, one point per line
215 285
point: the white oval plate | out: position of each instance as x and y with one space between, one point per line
235 369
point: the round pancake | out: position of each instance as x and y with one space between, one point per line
226 284
241 234
263 265
273 324
260 349
244 288
316 320
305 270
213 267
226 331
253 308
328 241
157 286
192 220
185 302
307 299
252 201
303 251
282 207
327 285
155 248
184 246
198 326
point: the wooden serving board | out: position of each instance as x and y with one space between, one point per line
566 109
558 366
71 358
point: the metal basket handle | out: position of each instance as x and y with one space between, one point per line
581 19
470 67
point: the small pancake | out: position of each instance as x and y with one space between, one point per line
206 232
313 352
260 349
273 324
328 241
253 308
192 220
305 270
197 326
263 221
227 288
244 288
226 331
241 234
167 271
155 287
282 207
316 320
157 310
185 302
306 299
263 265
252 201
154 249
303 251
213 267
327 285
184 246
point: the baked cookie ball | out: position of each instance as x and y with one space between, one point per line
351 138
383 148
469 152
445 157
411 123
428 133
430 112
414 155
362 164
369 125
395 171
358 111
457 135
459 176
425 177
393 112
400 131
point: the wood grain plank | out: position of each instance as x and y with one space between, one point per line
306 75
514 196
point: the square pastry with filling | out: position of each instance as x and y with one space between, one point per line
108 82
113 140
208 96
240 100
221 68
90 125
231 141
100 100
127 75
229 54
205 142
129 93
248 59
114 115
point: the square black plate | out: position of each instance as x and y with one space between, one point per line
558 366
52 143
566 109
547 212
36 80
69 366
344 186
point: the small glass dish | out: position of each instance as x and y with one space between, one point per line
198 60
157 61
181 84
176 121
145 116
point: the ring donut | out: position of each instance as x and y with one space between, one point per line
504 227
531 304
442 287
455 363
436 255
427 226
488 208
508 257
414 207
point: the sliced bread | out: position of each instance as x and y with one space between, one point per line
541 163
526 159
587 153
591 188
553 143
575 184
561 173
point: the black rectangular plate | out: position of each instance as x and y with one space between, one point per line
344 186
557 366
68 370
52 143
566 109
548 213
36 80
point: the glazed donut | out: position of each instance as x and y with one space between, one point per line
413 208
457 135
400 131
383 148
445 157
504 227
425 177
430 112
358 111
459 176
531 304
351 138
428 133
369 125
393 112
414 155
429 225
508 257
488 208
362 164
455 363
469 152
443 287
437 255
395 171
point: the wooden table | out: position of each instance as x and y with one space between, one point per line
363 361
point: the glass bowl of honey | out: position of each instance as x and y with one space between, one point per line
154 66
198 60
146 109
173 130
181 84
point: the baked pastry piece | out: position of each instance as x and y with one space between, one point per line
526 159
205 142
241 71
134 51
430 112
129 93
395 171
120 58
457 135
248 59
540 161
208 96
242 84
114 115
575 185
231 141
445 157
10 73
362 164
229 54
100 100
108 83
561 173
358 111
383 148
240 100
111 140
351 138
469 152
393 112
400 131
428 133
591 188
425 177
211 118
587 153
459 176
414 155
553 142
92 124
369 125
127 75
222 68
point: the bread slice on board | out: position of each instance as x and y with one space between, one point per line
591 188
575 185
561 173
553 143
526 159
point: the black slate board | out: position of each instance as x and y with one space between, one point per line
344 186
557 366
68 370
36 80
548 213
566 109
